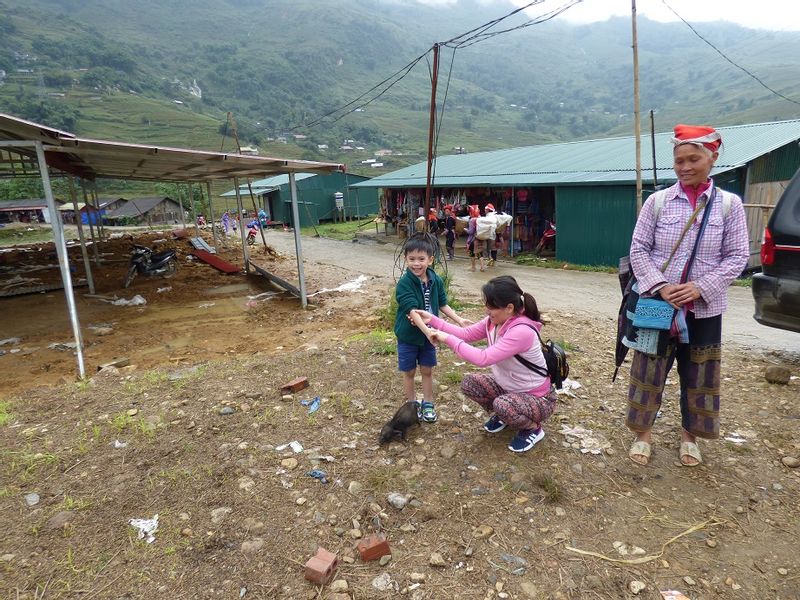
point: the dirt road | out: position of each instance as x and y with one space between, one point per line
595 294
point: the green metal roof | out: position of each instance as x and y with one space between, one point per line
603 161
268 184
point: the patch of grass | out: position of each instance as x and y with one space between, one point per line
453 377
30 462
188 377
568 346
154 377
383 478
550 487
70 503
388 314
551 263
83 386
5 412
12 236
380 342
335 231
120 422
745 282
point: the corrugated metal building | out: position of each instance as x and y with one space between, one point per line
316 197
589 187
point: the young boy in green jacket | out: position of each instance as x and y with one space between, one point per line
419 287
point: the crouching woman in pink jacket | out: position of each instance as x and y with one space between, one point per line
514 395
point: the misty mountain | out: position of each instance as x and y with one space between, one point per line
278 64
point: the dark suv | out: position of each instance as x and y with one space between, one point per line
776 289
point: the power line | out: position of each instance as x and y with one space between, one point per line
718 51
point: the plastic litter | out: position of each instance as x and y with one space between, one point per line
567 386
318 474
63 346
137 300
296 447
14 340
313 404
164 289
147 528
590 442
350 286
117 444
673 595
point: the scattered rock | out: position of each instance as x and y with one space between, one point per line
7 558
385 560
482 532
252 546
791 461
355 488
560 512
289 463
782 571
32 499
397 500
186 532
101 331
61 519
246 483
577 468
777 374
226 410
383 583
711 543
218 514
417 577
593 582
338 586
448 451
437 560
688 580
132 412
636 586
529 589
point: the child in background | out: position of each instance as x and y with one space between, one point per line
419 288
514 394
472 229
450 231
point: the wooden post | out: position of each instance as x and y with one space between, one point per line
637 125
431 132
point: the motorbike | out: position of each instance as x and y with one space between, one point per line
252 231
147 263
548 238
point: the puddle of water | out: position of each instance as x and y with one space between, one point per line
234 288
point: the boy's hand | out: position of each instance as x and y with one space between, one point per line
423 314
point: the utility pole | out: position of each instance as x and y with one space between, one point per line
431 131
653 146
637 124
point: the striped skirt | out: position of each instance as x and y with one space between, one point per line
518 410
699 373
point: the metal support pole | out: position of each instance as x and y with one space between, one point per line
245 253
101 234
431 131
297 246
211 214
91 228
87 265
194 210
513 218
180 201
63 259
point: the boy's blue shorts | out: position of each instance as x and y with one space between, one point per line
409 355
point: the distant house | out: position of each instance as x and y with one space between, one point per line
150 211
107 205
383 152
316 197
249 150
25 211
88 214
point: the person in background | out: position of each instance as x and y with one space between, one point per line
694 340
450 231
489 251
515 395
419 288
474 212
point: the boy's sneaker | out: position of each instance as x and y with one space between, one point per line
429 412
494 424
526 439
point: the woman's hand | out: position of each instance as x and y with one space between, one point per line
423 314
439 337
679 294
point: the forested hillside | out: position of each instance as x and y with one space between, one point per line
167 71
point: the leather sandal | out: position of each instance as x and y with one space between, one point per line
691 450
640 448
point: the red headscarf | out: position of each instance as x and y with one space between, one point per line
474 210
489 208
700 135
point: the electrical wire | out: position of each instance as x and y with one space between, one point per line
722 54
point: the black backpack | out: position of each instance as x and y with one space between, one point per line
554 357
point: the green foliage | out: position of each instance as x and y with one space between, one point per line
530 259
380 342
5 412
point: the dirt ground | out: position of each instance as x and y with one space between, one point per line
194 431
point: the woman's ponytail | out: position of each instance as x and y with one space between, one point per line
530 308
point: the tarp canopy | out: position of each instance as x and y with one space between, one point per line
90 158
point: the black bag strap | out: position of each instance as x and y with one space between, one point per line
533 367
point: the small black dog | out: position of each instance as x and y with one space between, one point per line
406 416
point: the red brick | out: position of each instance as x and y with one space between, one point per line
295 385
373 547
321 567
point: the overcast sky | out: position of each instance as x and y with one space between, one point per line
756 14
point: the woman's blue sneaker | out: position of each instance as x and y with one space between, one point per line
526 439
429 412
494 424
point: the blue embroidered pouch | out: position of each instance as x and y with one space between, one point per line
653 313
